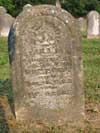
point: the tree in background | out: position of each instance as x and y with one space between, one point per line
8 4
80 7
92 5
75 7
20 3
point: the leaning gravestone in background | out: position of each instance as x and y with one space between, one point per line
93 30
45 57
6 21
82 22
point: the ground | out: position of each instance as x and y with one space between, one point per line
91 67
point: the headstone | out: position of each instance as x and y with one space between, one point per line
58 4
2 10
6 21
93 25
27 6
82 22
46 64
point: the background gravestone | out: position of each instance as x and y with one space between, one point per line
46 63
27 6
93 30
2 10
82 22
6 21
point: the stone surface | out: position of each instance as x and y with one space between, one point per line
27 6
2 10
6 21
46 63
83 25
58 4
93 30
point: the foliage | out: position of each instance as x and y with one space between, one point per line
75 7
92 5
8 4
81 7
20 3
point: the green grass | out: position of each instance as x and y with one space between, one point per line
5 83
91 65
4 62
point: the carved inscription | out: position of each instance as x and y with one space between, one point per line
46 67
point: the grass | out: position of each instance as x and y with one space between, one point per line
91 65
4 62
5 83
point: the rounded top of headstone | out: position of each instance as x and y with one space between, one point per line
48 10
93 13
8 18
2 10
27 6
40 12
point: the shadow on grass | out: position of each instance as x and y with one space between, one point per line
4 127
6 92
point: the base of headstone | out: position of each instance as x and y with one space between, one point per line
39 127
27 116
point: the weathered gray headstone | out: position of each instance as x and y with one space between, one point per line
27 6
46 63
93 30
58 4
2 10
6 21
82 22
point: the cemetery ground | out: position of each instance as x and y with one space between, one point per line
91 67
